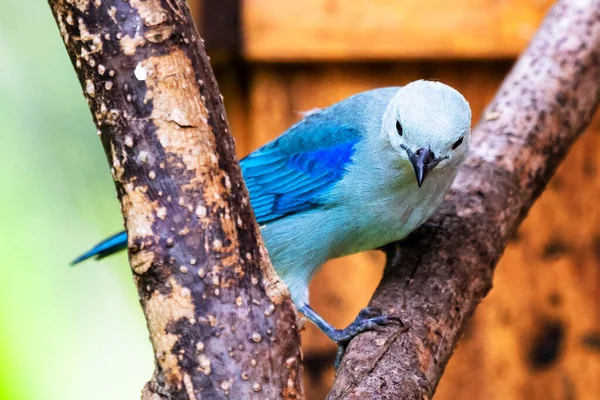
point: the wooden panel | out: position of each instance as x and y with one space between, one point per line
537 335
195 9
236 105
294 30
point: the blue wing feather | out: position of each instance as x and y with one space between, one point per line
292 173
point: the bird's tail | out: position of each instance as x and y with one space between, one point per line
105 248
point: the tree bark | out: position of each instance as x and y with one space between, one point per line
221 323
435 279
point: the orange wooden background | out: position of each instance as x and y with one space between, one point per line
537 334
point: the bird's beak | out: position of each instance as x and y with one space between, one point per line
423 161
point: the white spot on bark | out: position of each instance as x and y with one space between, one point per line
225 385
112 12
140 72
128 141
269 310
143 156
201 211
290 362
256 338
89 87
492 115
204 364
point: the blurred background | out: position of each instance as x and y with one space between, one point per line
78 333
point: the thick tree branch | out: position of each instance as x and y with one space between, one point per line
435 280
221 324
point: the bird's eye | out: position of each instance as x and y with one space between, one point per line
457 143
399 128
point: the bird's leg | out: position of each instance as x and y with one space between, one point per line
369 318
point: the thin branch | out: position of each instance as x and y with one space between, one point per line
435 280
221 324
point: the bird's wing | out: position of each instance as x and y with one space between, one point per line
290 174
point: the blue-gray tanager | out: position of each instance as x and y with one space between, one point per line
355 176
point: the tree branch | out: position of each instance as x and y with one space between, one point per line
437 277
220 322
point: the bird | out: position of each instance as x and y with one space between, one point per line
354 176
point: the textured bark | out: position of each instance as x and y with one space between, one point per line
221 324
436 278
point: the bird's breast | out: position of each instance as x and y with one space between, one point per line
383 209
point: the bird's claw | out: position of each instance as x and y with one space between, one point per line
368 312
368 319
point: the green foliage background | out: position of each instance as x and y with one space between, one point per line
65 333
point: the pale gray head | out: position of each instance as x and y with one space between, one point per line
428 124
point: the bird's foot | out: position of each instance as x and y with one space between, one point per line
368 319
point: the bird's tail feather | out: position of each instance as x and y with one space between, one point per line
105 248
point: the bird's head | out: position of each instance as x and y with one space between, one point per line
428 124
